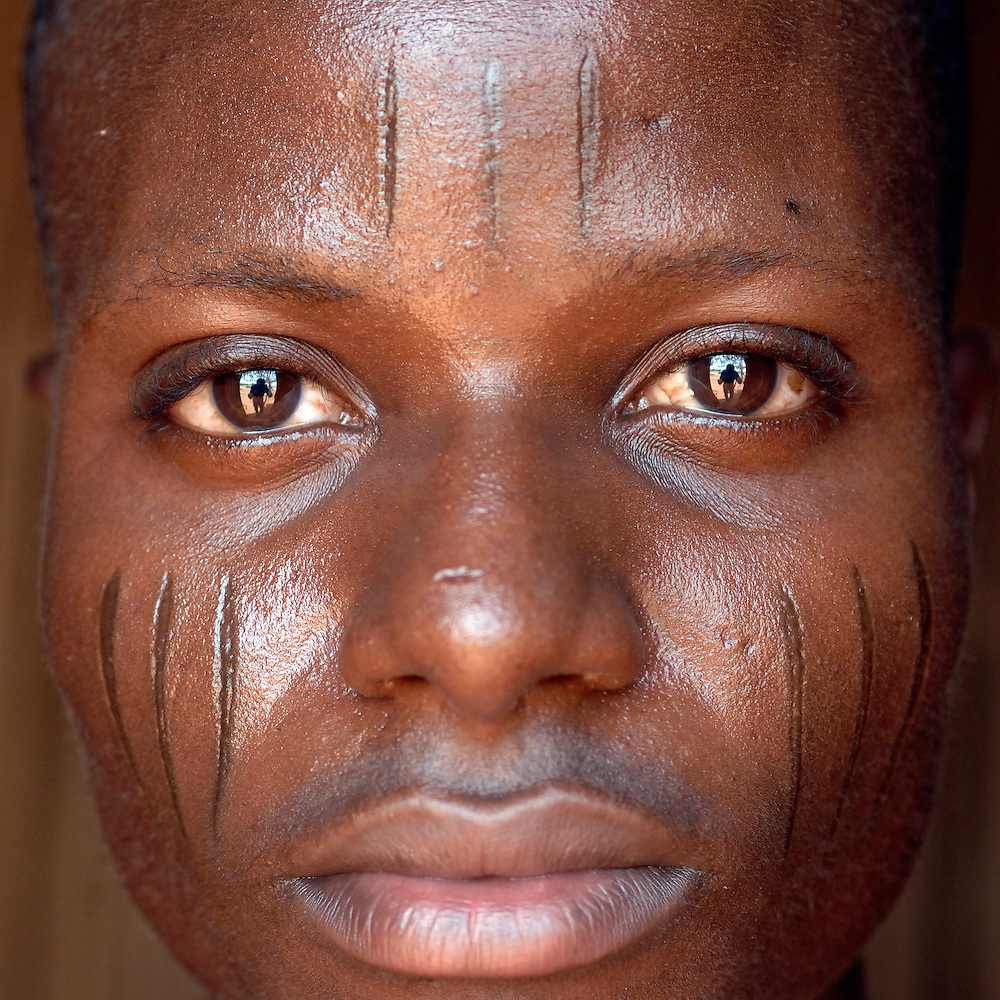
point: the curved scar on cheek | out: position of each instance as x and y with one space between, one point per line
108 622
162 621
387 145
493 122
587 112
867 636
226 652
792 628
926 625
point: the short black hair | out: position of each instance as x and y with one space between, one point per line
938 42
939 30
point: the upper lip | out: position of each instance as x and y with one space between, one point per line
542 831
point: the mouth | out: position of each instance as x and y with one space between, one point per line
535 885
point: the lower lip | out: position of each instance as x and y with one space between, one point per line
493 928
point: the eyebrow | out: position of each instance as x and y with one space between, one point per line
253 272
731 263
281 276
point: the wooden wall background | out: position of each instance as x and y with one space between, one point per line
67 932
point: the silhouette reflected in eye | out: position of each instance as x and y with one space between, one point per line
258 400
738 385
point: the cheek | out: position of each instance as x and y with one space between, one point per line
795 681
804 676
875 648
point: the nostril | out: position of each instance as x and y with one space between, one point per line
561 680
457 574
479 635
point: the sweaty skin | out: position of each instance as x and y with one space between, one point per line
502 665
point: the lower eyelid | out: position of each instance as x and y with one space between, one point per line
672 389
199 412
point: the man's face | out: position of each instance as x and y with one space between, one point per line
502 539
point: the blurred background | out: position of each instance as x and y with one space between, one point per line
67 932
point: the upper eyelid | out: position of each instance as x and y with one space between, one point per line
170 376
832 370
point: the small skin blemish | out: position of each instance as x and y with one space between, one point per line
792 207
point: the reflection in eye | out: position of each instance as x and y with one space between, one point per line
260 400
742 385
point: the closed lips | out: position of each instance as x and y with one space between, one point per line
544 883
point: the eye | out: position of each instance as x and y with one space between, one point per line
259 400
736 385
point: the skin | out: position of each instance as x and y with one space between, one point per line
500 580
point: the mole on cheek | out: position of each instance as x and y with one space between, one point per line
792 628
226 666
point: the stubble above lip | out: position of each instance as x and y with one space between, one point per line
535 884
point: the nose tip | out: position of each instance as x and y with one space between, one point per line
484 641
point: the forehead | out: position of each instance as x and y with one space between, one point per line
364 132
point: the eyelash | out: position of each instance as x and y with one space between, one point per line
815 357
180 373
175 376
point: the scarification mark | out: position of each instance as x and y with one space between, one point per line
793 654
867 630
586 135
926 627
163 619
225 623
494 122
387 145
108 620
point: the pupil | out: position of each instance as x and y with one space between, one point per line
733 383
257 400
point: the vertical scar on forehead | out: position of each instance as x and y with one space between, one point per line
865 683
108 622
387 144
792 628
226 653
925 605
586 134
162 621
492 109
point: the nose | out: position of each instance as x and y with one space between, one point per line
492 589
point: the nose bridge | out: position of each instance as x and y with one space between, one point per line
487 588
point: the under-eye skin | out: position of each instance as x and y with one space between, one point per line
739 373
252 386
